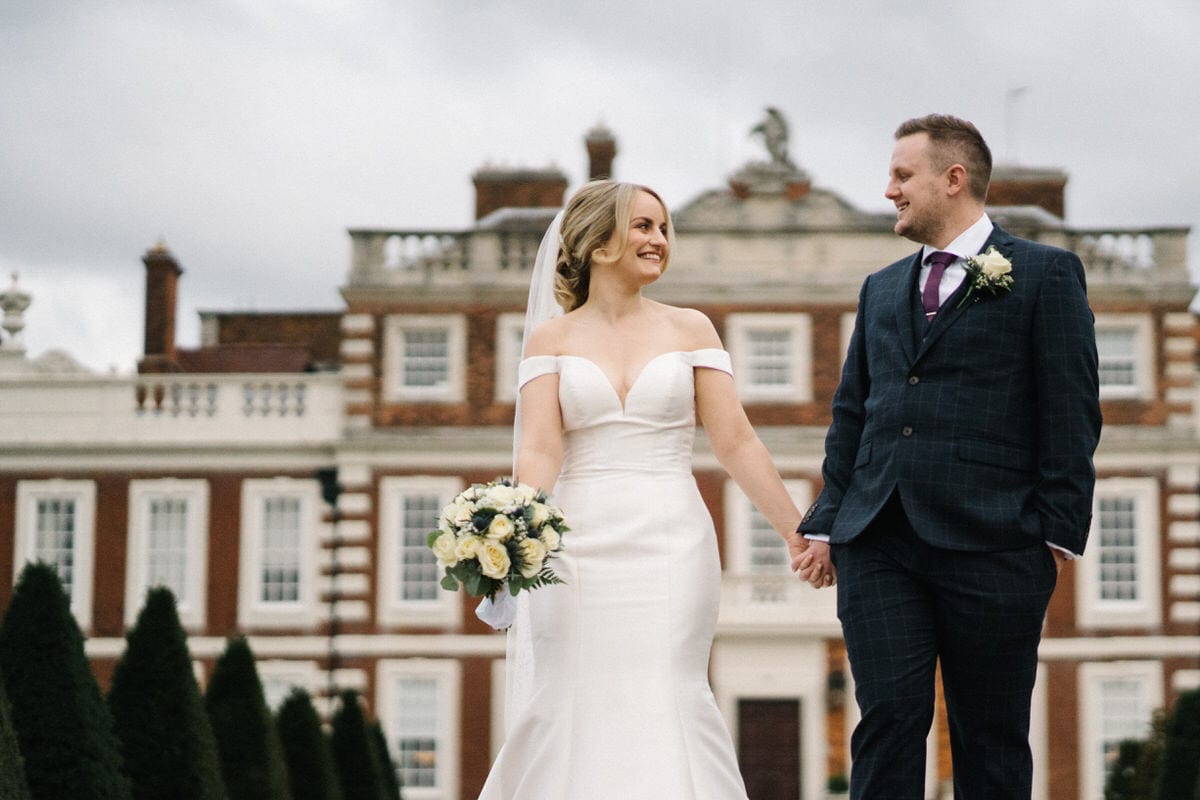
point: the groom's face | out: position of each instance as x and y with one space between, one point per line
917 190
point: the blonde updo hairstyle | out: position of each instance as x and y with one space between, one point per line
598 213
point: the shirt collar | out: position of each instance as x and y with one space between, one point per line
967 243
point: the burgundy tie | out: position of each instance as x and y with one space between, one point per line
929 297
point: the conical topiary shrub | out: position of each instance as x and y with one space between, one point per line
354 756
391 779
247 743
1121 780
1180 765
306 750
62 724
12 766
166 739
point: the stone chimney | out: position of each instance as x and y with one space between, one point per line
162 283
497 187
601 149
1028 186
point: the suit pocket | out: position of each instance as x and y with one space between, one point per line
996 454
863 457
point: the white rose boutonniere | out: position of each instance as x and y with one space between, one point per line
990 271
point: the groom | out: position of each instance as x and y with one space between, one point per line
958 473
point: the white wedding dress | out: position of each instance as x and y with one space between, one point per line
620 706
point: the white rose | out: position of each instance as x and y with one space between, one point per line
550 538
993 264
540 516
445 548
501 528
493 560
502 495
525 494
533 553
463 511
468 547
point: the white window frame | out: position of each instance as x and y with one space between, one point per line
509 327
454 389
304 611
1145 361
1092 677
447 675
1146 610
446 610
190 604
764 587
83 494
738 327
280 676
739 516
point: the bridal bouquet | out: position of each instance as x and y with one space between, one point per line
498 533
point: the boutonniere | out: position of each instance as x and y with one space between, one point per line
989 271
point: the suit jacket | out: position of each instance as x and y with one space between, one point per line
985 424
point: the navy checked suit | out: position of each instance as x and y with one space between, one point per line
956 453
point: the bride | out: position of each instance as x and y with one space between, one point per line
609 693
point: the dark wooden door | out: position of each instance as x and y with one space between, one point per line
769 748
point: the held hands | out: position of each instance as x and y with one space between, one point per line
810 560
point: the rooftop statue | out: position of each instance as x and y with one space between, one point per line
774 131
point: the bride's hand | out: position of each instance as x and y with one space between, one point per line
814 565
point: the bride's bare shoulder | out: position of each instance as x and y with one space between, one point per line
693 327
548 337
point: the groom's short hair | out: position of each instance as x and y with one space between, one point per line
954 141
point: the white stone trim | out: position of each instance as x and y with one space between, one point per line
352 531
354 610
1095 648
1185 586
362 348
1184 680
1179 346
1183 504
358 323
1184 558
1185 612
354 503
1184 476
1184 532
357 372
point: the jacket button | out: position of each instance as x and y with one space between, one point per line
906 430
913 380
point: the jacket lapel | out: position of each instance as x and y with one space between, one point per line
906 289
954 307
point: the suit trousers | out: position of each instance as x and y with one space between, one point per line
906 606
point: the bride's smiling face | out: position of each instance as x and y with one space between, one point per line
646 243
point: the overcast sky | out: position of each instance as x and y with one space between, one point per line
250 134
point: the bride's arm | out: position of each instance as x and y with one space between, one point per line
748 462
540 451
